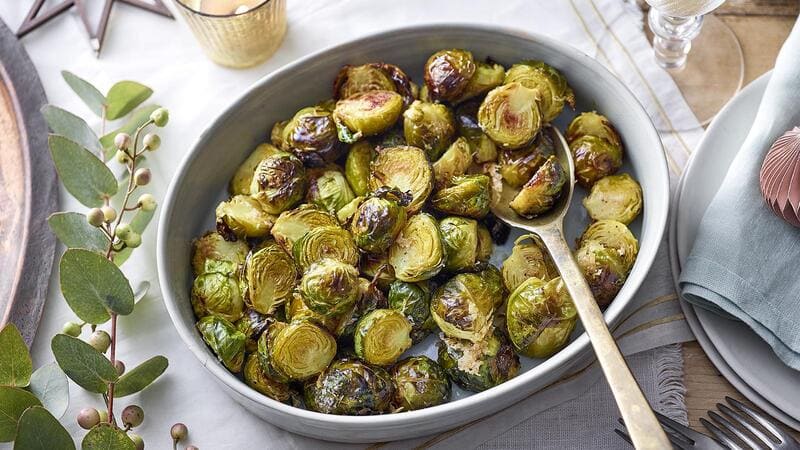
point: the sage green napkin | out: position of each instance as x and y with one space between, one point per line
746 261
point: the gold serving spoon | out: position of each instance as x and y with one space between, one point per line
644 429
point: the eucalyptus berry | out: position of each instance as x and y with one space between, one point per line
71 329
151 141
100 340
95 217
122 157
178 432
133 240
160 117
109 213
119 366
147 202
123 230
132 416
137 440
88 418
122 141
142 176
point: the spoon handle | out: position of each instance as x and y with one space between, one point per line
644 429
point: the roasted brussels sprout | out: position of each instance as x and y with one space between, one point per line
413 300
350 387
311 136
296 309
485 244
419 382
379 219
293 224
381 336
244 217
240 183
366 114
261 382
547 81
404 168
477 366
418 254
463 307
595 158
429 126
540 316
370 299
377 266
483 148
616 236
540 193
492 284
271 276
330 287
454 162
462 244
217 292
356 167
279 182
615 197
518 166
510 115
276 135
325 242
592 124
346 212
467 195
487 76
225 341
252 324
328 189
299 350
527 259
212 246
353 80
603 269
447 73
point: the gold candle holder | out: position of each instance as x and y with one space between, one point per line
234 34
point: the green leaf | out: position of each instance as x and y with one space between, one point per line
88 93
138 224
13 402
141 376
104 437
91 284
74 231
84 365
39 430
124 96
137 119
15 361
83 174
71 127
50 386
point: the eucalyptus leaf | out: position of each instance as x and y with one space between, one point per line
49 384
137 119
91 284
124 96
39 430
138 224
104 437
72 127
74 231
13 402
15 360
84 365
83 174
92 97
141 376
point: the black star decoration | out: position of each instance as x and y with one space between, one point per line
96 35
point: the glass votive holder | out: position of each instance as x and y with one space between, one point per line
236 33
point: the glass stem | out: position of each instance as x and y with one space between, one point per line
672 38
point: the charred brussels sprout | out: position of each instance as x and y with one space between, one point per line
279 182
540 316
492 284
367 114
595 158
240 183
217 292
370 299
418 254
510 115
467 195
615 197
592 124
353 80
413 300
483 148
404 168
356 167
419 382
429 126
271 276
603 269
213 247
447 73
478 366
379 219
261 382
518 166
293 224
296 309
243 216
276 135
311 136
486 77
540 193
527 259
300 350
225 340
377 266
325 242
330 287
615 236
252 324
547 81
329 190
462 244
454 162
350 387
463 307
381 336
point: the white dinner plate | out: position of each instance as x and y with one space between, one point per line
738 353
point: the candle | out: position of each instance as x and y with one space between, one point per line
227 7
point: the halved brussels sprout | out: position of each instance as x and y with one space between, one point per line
419 382
483 148
330 287
261 382
478 366
293 224
212 246
356 167
486 77
417 253
413 300
510 115
595 158
492 284
370 299
518 166
603 269
615 197
547 81
325 242
592 124
217 292
467 195
225 341
429 126
447 73
271 277
527 259
462 244
240 183
485 244
276 135
346 213
279 182
377 265
312 136
350 387
463 307
542 191
379 219
382 336
353 80
616 236
263 346
540 316
244 217
454 162
252 324
367 114
405 168
328 189
300 350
